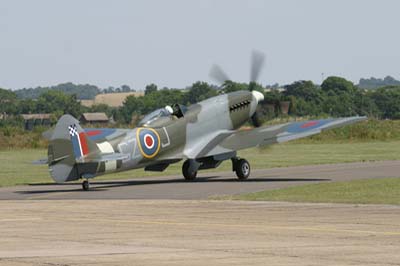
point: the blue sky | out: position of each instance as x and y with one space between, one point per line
174 43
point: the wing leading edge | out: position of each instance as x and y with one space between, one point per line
280 133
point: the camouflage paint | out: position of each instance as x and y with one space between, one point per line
206 134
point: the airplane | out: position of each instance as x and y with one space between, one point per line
203 135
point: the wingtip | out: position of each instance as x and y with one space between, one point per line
362 118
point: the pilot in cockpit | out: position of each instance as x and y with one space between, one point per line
163 115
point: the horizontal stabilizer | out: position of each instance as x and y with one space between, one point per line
48 134
106 158
41 161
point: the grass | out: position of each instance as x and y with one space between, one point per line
367 191
14 137
16 167
370 130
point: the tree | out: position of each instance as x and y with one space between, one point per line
150 89
200 91
337 84
230 86
103 108
373 83
304 89
8 100
365 105
125 88
27 106
387 99
85 91
305 97
339 104
58 103
130 106
109 89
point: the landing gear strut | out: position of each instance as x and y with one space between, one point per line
85 185
241 167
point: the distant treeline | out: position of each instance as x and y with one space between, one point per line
87 91
373 83
335 97
82 92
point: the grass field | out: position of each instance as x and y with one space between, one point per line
16 167
367 191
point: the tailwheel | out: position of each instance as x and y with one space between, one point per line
187 174
241 168
85 185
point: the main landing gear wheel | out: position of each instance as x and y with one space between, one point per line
187 174
85 185
242 168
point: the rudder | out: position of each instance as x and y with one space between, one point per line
68 146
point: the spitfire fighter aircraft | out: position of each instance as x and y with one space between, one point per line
203 134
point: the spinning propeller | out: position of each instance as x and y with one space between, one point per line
256 65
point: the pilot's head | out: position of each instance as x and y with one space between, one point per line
169 109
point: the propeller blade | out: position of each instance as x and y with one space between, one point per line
218 75
255 118
257 63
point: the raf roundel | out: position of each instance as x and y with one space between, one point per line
149 142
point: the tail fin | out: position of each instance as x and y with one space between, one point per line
81 144
68 129
68 145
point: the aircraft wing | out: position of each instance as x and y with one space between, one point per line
280 133
99 159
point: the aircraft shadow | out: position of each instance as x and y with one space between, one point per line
105 185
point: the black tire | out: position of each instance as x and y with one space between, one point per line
189 176
85 185
242 169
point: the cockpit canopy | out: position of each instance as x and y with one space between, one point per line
149 118
179 110
163 114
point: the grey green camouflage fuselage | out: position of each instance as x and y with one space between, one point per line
189 137
206 134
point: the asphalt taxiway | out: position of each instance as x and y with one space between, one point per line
207 184
167 221
180 232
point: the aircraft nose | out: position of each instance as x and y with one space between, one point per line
258 96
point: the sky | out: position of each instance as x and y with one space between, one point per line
174 43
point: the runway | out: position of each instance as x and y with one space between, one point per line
180 232
167 221
207 184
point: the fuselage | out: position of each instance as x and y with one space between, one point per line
169 139
187 134
204 135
